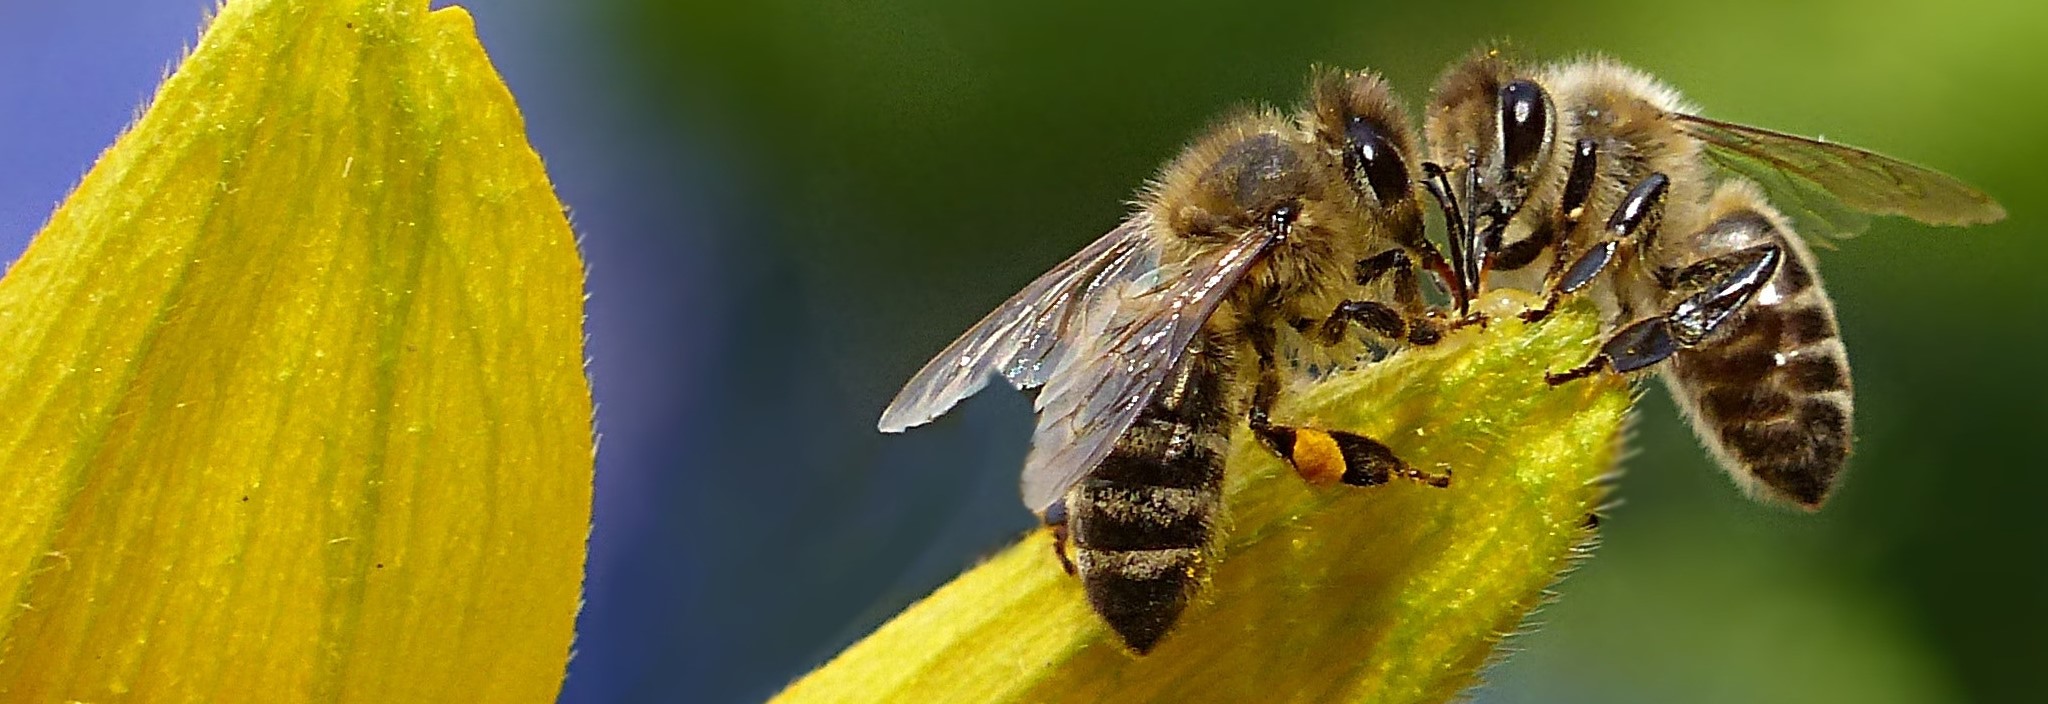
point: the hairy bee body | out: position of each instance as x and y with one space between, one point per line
1591 178
1143 522
1153 344
1150 346
1767 391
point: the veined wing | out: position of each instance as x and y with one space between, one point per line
1091 398
1025 337
1809 172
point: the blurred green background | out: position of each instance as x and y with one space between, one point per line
924 158
788 205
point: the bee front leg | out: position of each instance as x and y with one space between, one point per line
1322 457
1633 224
1523 252
1370 269
1419 327
1376 317
1578 187
1646 342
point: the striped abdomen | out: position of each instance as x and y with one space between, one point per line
1142 521
1769 392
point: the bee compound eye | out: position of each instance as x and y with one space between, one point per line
1372 162
1524 122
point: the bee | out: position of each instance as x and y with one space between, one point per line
1149 346
1691 258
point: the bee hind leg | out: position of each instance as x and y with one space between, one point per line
1324 457
1741 274
1056 521
1641 344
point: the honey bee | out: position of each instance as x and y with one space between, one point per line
1693 261
1150 345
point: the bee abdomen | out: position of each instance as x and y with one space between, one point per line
1140 593
1144 520
1772 395
1141 549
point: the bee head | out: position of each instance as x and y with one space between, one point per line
1487 117
1357 121
1491 130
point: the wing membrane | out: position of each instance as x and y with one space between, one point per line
1027 336
1098 392
1835 182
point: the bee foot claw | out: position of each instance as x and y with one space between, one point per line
1436 480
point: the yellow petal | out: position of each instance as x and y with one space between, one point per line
1391 594
293 397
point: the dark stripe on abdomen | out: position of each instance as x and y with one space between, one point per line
1771 390
1142 522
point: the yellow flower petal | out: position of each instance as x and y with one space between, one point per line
1389 595
292 385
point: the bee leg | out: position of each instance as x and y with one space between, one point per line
1578 187
1747 271
1583 271
1641 344
1550 297
1723 270
1421 329
1323 457
1395 261
1520 253
1578 182
1056 521
1652 340
1373 316
1633 224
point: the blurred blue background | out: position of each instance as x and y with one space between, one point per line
788 205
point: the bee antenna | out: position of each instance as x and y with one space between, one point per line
1438 183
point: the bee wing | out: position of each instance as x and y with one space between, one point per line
1025 337
1098 392
1836 184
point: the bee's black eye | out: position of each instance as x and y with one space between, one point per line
1524 122
1372 161
1281 218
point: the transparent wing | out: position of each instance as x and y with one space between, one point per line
1097 392
1025 337
1830 187
1812 210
